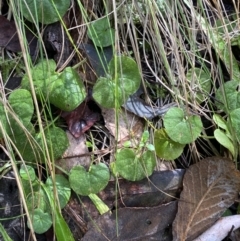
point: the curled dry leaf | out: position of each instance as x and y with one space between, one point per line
209 188
80 120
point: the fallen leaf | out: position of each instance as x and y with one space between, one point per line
80 120
9 37
134 224
76 154
161 187
130 127
209 188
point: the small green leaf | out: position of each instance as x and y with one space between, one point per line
41 221
44 11
104 93
124 80
228 96
67 91
235 121
127 76
180 128
150 147
145 136
63 189
222 138
22 104
200 83
27 173
220 121
57 142
93 181
37 199
134 168
20 111
165 147
101 33
41 72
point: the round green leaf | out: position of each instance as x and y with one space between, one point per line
41 72
125 79
180 128
229 92
223 139
44 11
101 33
57 142
27 173
165 147
63 189
41 221
200 83
93 181
21 111
133 168
104 93
127 76
67 92
22 104
37 199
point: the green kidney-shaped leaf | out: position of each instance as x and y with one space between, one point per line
165 147
104 93
27 173
93 181
200 83
67 92
223 139
41 72
180 128
101 33
124 80
44 11
63 189
22 104
229 92
127 76
20 112
57 142
41 221
134 168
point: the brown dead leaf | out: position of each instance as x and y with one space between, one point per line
137 224
9 37
81 119
161 187
209 188
74 155
130 127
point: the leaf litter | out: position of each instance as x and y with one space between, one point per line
209 188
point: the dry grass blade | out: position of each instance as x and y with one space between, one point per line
209 188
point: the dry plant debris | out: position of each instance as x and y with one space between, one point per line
130 127
209 188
